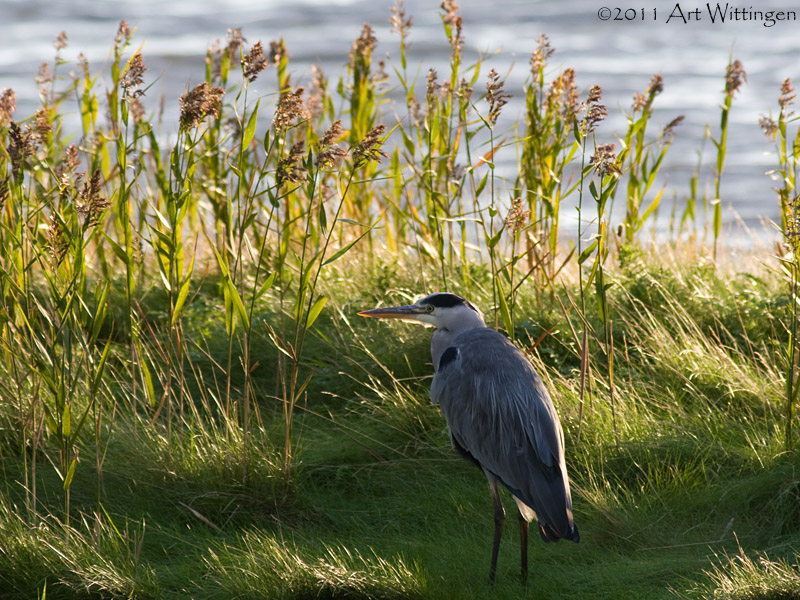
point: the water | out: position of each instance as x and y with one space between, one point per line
619 55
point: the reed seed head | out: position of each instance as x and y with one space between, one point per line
656 85
330 157
433 86
83 63
369 149
199 103
8 104
542 53
415 111
330 137
595 94
90 203
735 77
66 182
644 102
768 126
363 46
595 111
400 24
60 42
57 243
133 76
136 109
669 130
72 159
234 42
290 108
214 60
277 52
123 34
41 127
786 99
562 97
4 192
792 231
495 96
517 217
328 153
464 91
315 104
254 62
216 55
44 78
380 75
604 160
291 168
454 23
21 145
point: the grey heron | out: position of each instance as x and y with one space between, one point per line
499 415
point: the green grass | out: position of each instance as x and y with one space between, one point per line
203 415
381 507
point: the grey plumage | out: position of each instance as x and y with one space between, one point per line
518 439
499 415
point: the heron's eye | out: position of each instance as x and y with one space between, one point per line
429 308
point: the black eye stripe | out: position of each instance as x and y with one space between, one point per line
444 300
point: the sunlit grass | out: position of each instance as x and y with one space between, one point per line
743 577
97 558
189 406
260 565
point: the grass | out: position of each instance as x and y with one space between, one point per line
380 506
190 408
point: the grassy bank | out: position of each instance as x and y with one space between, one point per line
696 482
189 406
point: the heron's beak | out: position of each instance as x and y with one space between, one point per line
405 313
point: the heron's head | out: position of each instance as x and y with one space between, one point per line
441 310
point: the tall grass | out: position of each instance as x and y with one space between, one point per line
788 155
277 206
126 250
548 149
735 77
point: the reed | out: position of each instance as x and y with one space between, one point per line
276 207
642 160
735 77
548 150
788 155
605 164
187 287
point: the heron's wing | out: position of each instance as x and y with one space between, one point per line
500 414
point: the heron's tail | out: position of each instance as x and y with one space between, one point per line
549 534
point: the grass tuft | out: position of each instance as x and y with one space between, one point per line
97 559
757 577
263 567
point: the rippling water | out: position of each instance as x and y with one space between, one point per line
620 56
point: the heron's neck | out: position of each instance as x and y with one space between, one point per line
443 338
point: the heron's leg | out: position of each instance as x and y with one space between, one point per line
499 520
523 544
